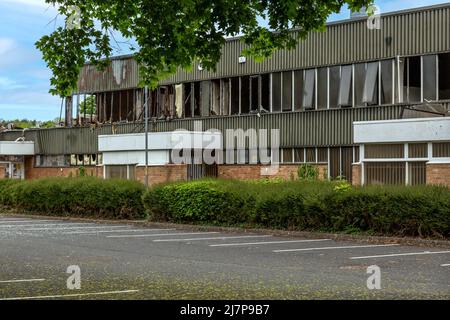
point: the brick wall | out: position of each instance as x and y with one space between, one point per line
32 172
253 172
162 174
356 174
438 174
2 171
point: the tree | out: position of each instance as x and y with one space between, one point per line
88 106
175 33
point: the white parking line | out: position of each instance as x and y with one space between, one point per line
68 228
114 231
445 265
25 221
400 254
22 280
215 238
160 235
268 242
12 226
335 248
73 295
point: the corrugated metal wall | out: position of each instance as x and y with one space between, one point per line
310 128
412 32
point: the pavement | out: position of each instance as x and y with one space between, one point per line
43 258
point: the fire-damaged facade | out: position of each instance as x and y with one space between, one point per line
368 105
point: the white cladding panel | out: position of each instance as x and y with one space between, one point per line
407 130
160 141
11 148
160 157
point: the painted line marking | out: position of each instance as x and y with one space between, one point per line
68 228
24 221
159 235
445 265
335 248
215 238
73 295
22 280
268 242
108 231
12 226
400 254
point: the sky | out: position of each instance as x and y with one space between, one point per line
24 77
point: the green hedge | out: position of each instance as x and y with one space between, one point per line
84 196
302 205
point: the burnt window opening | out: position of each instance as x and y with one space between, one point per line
309 89
287 91
411 79
265 92
216 97
276 92
225 104
235 95
196 102
187 105
254 93
444 79
245 95
205 98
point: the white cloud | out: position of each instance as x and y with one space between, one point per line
8 84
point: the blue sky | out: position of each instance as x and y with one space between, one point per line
24 77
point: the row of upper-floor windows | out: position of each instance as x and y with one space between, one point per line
417 79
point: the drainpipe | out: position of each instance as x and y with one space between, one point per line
146 135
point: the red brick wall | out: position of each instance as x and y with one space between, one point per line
162 174
438 174
2 171
253 172
356 174
32 172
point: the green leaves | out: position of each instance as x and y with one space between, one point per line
172 34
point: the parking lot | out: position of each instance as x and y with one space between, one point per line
125 261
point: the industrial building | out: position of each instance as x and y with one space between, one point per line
370 105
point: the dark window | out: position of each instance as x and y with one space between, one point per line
335 76
322 154
311 155
379 173
386 82
234 95
322 88
384 151
299 155
287 91
444 79
187 100
441 150
418 150
276 92
197 104
287 155
429 77
412 79
345 89
298 89
245 95
360 76
265 92
254 93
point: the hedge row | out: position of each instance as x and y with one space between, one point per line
86 196
325 206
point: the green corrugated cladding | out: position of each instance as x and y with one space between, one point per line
308 128
412 32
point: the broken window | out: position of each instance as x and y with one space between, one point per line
225 105
412 79
309 89
429 77
371 84
254 93
287 91
299 155
52 161
387 79
322 88
444 79
298 89
345 88
235 95
360 76
205 98
310 155
179 101
276 92
187 100
197 103
287 155
245 95
265 92
215 97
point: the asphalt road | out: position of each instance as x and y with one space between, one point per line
120 261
